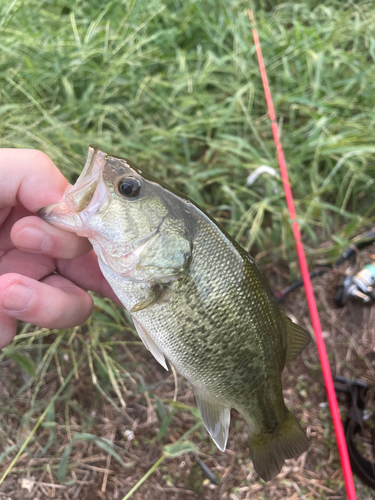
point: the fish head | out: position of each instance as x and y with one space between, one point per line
128 216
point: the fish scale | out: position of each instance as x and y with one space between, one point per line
215 328
197 299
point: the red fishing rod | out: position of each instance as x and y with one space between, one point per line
340 437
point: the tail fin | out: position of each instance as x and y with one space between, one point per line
269 451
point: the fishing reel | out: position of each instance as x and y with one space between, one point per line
360 286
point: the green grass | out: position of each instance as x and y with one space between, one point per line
175 87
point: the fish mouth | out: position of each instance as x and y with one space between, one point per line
81 200
60 215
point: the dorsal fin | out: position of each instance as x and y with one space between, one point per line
296 339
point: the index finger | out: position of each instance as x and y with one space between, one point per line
29 177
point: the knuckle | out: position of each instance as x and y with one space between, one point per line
40 158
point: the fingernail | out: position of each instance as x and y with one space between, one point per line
32 239
17 297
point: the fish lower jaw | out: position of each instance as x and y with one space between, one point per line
66 220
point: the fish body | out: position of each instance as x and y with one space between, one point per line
197 299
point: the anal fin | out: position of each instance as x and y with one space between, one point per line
150 344
296 339
216 418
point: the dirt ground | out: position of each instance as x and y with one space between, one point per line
94 474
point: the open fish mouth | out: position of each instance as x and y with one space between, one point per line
86 197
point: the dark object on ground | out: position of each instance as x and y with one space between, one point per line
355 391
367 239
210 475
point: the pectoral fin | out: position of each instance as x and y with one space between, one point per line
153 296
150 344
216 418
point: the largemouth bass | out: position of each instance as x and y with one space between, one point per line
198 300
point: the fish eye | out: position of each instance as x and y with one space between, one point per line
129 187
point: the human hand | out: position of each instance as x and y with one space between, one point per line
31 250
